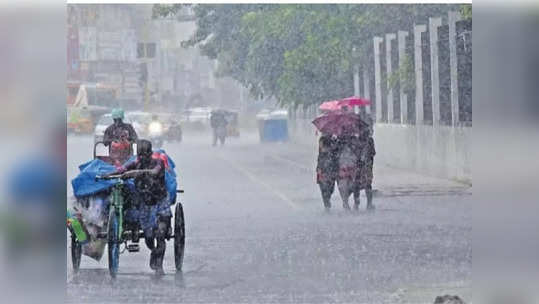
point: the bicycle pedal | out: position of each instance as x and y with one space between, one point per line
133 248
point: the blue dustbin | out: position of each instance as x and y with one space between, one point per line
274 130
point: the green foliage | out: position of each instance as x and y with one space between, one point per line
466 11
165 10
404 75
299 53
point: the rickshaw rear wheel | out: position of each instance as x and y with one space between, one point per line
179 236
113 243
76 253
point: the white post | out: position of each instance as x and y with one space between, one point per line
366 91
403 97
242 99
356 85
211 78
418 58
453 17
356 81
434 23
377 78
389 37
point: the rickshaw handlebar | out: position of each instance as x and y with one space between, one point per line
105 177
116 176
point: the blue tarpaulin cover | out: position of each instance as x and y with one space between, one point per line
85 184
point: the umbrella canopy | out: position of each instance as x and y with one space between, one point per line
337 105
354 101
339 124
332 105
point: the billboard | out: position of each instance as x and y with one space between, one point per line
117 45
87 43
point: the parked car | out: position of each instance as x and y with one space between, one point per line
199 116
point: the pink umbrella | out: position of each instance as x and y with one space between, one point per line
338 123
332 105
337 105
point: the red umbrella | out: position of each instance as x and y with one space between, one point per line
354 101
339 123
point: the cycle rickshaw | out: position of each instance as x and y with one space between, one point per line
117 226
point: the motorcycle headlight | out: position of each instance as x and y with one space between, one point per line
155 128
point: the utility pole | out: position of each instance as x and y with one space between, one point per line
145 35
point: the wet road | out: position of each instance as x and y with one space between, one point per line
256 233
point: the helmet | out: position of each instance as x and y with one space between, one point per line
117 113
144 147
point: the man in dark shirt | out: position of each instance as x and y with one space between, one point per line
148 170
119 130
118 137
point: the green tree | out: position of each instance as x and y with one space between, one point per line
466 11
299 54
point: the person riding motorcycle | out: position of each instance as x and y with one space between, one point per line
174 132
119 136
152 200
155 131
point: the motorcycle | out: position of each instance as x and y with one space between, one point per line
174 132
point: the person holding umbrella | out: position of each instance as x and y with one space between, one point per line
366 163
341 128
327 168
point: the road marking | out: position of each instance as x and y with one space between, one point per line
294 163
257 180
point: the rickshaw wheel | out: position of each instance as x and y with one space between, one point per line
113 243
179 236
76 252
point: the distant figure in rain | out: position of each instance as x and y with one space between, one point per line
219 124
327 168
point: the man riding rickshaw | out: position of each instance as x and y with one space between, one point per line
116 204
151 199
